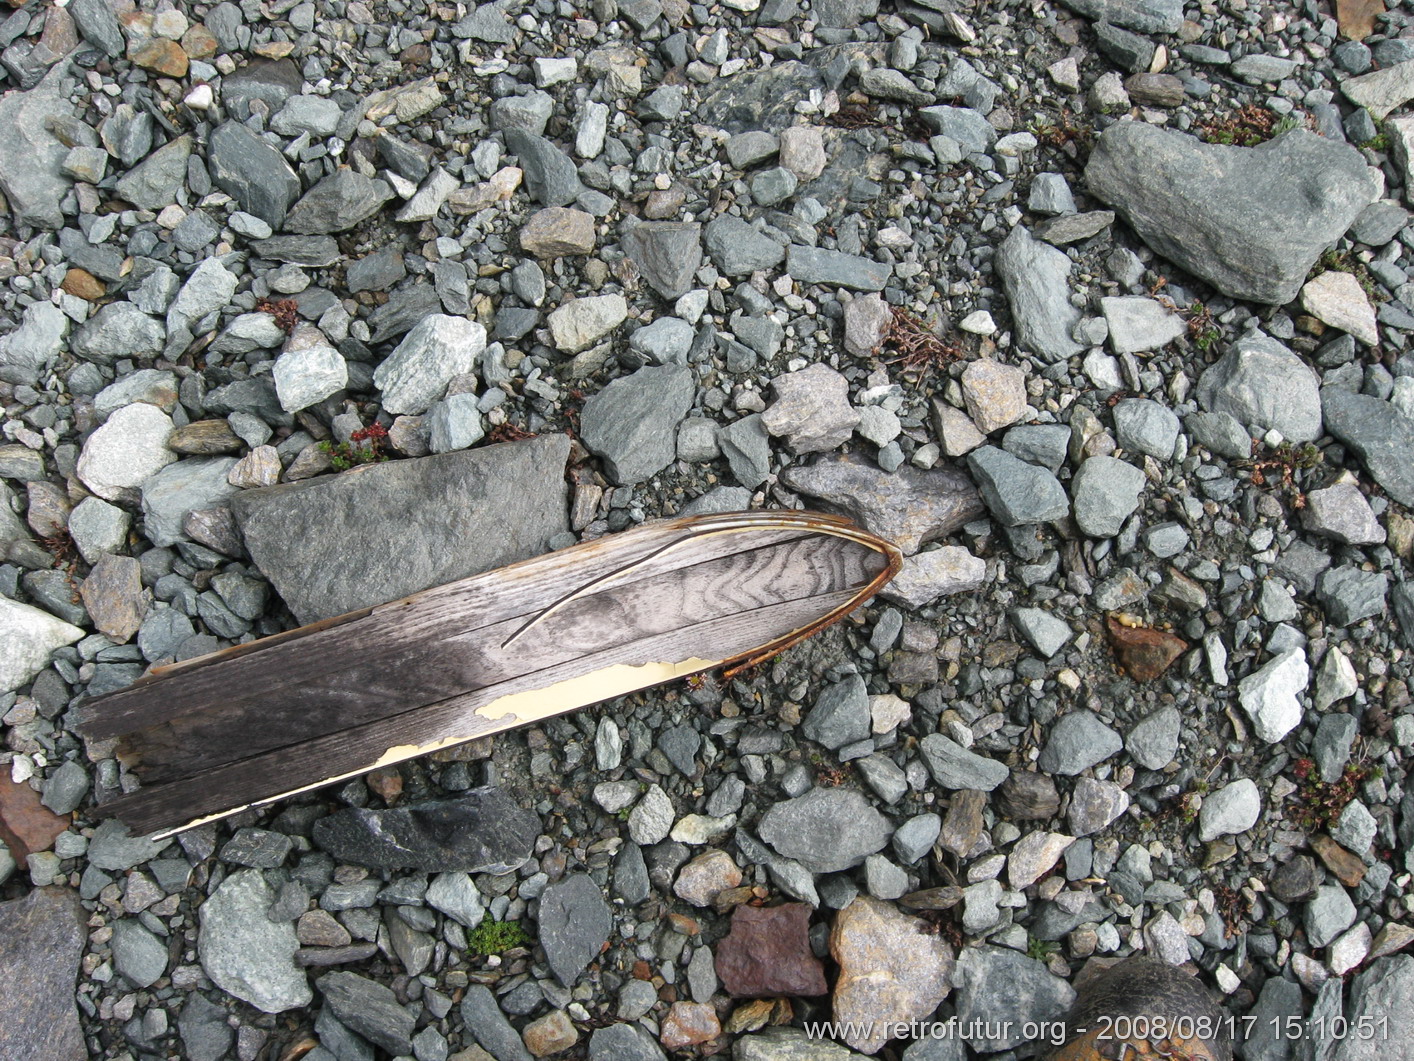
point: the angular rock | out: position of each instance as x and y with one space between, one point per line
550 174
309 370
811 409
1349 594
995 394
244 952
1077 741
488 1025
767 954
631 423
180 489
138 956
574 924
114 597
1106 493
840 715
1269 694
31 349
369 1009
1263 385
1142 16
1047 633
1036 278
482 831
557 232
31 156
1232 809
416 374
126 451
582 322
1094 805
1336 299
937 573
827 829
41 942
1382 91
705 877
1016 493
1340 512
1034 855
153 184
1138 324
890 970
337 203
667 253
955 767
737 249
621 1042
1381 436
208 288
909 507
992 980
866 322
252 172
1250 221
816 265
1143 653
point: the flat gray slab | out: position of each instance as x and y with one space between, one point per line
41 938
373 534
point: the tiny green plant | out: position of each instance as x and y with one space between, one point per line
1202 328
1041 949
364 446
496 937
1319 803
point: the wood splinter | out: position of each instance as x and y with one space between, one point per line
252 724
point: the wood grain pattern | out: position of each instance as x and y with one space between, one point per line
251 724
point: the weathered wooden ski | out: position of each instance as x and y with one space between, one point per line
254 723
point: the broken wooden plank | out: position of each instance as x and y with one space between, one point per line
314 706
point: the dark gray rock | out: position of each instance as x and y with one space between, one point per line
370 1009
383 531
623 1042
271 82
66 787
489 1027
737 249
826 830
816 265
1379 434
550 175
252 172
1077 741
574 922
1036 277
747 447
113 849
1016 493
98 25
41 941
1220 432
1261 384
1350 594
1383 989
139 957
340 201
632 423
956 767
1250 221
205 1033
760 99
992 980
1106 493
31 156
840 715
153 184
481 831
909 507
1143 16
667 254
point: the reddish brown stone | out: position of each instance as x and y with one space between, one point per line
767 953
26 825
689 1023
82 284
1356 18
199 43
1144 653
386 782
161 56
963 826
1344 864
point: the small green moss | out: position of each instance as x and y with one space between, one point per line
496 937
1040 949
1378 142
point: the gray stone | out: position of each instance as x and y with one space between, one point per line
968 127
1379 434
1106 493
31 349
252 172
98 25
582 322
1340 512
481 831
1036 278
747 447
1329 913
773 186
31 156
909 507
205 1034
630 424
811 409
816 265
623 1042
337 203
244 952
737 249
180 489
1250 221
1050 194
1145 426
1046 632
1269 694
1349 594
335 544
438 349
574 923
454 424
1077 741
208 288
111 847
1016 493
369 1009
488 1025
550 175
1335 734
1153 740
840 715
667 253
153 184
1094 805
139 957
316 115
664 342
1221 433
126 451
955 767
309 370
1383 988
41 943
1263 385
992 980
1382 91
1232 809
1142 16
118 330
67 786
827 830
936 573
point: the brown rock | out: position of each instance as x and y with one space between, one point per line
318 928
47 508
943 898
557 232
1154 90
26 825
963 824
1143 653
386 782
1027 795
199 42
114 596
41 941
767 953
1338 860
82 284
1356 18
550 1034
689 1023
890 970
205 438
160 56
706 877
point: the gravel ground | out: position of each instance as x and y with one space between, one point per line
1100 309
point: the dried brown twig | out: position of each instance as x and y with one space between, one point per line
920 349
